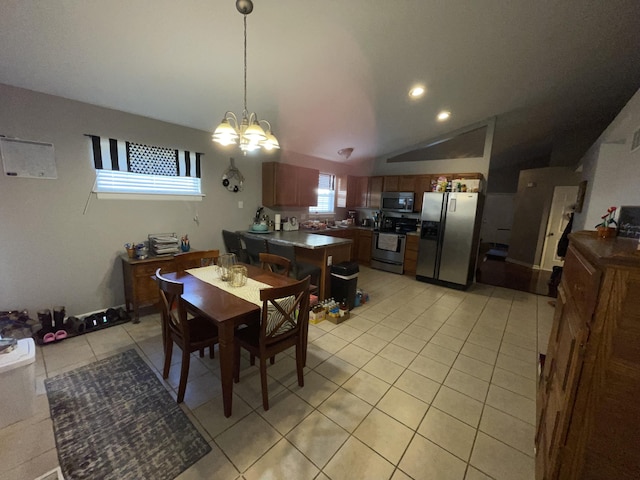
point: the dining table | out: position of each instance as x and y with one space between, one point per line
227 308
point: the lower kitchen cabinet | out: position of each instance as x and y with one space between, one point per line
364 246
588 396
411 255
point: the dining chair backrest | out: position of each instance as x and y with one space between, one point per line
285 312
275 263
196 259
254 246
174 314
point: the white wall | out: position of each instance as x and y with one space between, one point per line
611 169
51 253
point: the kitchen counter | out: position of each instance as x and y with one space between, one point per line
319 250
302 238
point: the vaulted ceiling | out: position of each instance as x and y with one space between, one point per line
332 74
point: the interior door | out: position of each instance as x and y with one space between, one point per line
564 198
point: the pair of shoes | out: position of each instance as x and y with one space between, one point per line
54 337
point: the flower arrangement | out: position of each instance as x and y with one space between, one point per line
609 217
604 228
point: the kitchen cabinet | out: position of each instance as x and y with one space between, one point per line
588 414
399 183
364 246
391 183
374 195
411 255
285 185
423 184
350 233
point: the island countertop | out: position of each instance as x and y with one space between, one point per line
301 239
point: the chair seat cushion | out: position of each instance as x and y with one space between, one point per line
202 329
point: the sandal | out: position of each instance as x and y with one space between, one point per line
60 335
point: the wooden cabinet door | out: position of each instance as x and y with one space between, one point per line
407 183
286 185
363 191
423 184
561 375
391 183
364 247
307 186
411 255
353 191
374 193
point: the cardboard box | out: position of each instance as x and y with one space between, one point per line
338 320
315 318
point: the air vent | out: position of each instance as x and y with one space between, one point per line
635 141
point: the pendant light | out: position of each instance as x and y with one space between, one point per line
248 133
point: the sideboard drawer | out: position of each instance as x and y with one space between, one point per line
582 281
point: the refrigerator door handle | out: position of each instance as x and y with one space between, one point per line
452 205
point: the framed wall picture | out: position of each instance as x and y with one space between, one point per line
629 222
582 190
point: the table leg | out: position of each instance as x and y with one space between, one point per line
226 341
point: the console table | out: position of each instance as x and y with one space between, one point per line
139 287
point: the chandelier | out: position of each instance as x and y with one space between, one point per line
248 133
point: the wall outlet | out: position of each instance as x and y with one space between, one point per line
240 204
329 260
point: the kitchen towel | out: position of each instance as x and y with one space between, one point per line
388 241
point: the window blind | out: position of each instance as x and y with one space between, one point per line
326 194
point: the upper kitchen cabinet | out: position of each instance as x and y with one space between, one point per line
423 184
399 183
285 185
355 192
391 183
375 191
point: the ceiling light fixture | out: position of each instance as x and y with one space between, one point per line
248 133
345 152
444 115
417 92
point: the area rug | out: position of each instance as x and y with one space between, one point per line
113 419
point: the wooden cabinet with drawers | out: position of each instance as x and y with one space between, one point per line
588 398
411 255
139 287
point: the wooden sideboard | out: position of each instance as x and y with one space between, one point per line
139 288
588 400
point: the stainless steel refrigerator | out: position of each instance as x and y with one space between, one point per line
449 236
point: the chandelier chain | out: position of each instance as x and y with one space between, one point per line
245 62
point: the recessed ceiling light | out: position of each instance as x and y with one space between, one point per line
417 92
444 115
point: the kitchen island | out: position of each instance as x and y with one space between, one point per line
319 250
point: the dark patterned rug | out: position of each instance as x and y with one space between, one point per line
113 419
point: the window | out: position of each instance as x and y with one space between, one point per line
129 170
326 194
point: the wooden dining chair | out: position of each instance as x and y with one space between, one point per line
275 263
283 324
191 335
196 258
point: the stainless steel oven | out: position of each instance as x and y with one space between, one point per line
387 251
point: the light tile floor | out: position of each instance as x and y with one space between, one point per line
422 382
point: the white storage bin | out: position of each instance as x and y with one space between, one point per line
17 382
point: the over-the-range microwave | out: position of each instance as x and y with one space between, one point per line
397 202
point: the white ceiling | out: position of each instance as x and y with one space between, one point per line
335 73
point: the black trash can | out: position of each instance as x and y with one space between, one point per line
344 282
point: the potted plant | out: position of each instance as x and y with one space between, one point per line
605 230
